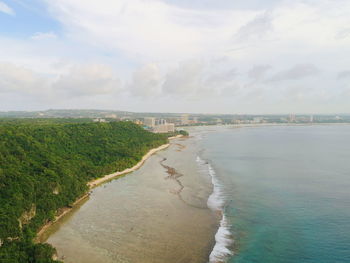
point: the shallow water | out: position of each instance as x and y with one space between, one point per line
285 191
143 216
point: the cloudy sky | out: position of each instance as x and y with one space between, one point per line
209 56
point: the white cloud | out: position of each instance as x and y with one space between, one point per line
15 78
88 80
44 35
198 79
312 23
149 29
345 74
155 31
222 54
146 81
217 79
6 9
343 33
78 81
258 72
299 71
255 28
184 80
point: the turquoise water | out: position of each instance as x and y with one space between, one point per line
286 191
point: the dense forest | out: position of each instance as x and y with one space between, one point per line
46 165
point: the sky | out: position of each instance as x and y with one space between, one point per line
199 56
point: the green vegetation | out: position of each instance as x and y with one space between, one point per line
183 132
45 166
32 121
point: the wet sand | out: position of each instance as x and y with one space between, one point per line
156 214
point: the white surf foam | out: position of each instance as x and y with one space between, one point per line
222 241
216 203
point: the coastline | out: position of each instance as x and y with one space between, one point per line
108 177
60 214
94 183
243 125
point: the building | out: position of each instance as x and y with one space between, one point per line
149 121
160 122
164 128
184 119
138 122
258 119
111 116
158 125
292 118
172 119
218 121
99 120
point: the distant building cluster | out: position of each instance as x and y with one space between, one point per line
291 118
166 122
158 125
149 122
184 119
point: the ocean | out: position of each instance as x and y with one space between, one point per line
284 192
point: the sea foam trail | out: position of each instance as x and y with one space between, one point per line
216 203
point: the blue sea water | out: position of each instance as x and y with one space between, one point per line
285 190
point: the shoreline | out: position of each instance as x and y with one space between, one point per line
231 125
108 177
94 183
62 212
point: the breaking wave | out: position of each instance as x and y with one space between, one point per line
216 201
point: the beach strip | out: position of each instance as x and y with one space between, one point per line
108 177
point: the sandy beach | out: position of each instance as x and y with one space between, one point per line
108 177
